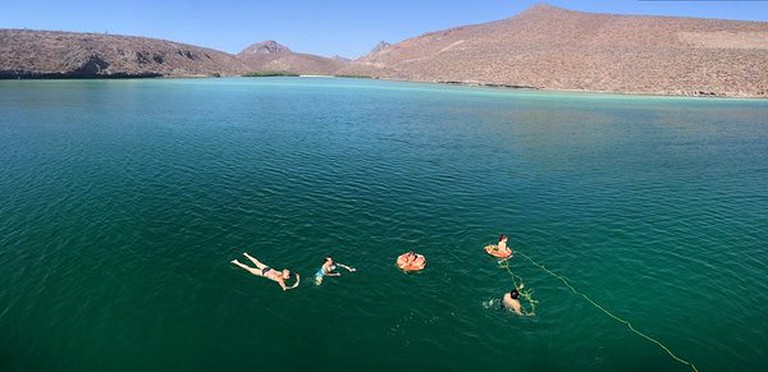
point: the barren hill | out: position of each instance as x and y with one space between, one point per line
271 56
27 54
53 54
552 48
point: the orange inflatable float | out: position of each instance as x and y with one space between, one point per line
410 261
495 252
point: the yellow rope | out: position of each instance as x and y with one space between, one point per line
626 322
527 294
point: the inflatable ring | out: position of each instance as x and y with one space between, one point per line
491 249
415 265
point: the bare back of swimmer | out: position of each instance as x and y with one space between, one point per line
265 271
502 246
511 302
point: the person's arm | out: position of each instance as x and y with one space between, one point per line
298 280
328 272
350 269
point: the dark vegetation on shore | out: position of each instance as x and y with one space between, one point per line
17 75
490 85
352 76
270 74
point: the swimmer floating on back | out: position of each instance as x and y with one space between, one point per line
328 269
265 271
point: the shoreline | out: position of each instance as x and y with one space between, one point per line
471 84
684 94
515 87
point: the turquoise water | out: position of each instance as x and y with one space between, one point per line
122 203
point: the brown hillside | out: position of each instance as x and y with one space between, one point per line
271 56
552 48
26 54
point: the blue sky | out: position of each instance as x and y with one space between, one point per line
346 27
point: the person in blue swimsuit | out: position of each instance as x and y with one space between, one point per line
328 269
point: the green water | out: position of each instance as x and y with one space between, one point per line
122 203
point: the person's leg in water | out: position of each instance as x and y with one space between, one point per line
251 270
256 262
258 270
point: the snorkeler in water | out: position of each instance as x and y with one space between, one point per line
328 269
511 301
265 271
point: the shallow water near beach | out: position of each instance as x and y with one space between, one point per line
122 203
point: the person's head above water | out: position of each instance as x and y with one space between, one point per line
502 237
514 294
286 274
329 259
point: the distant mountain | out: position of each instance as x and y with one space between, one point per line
379 47
270 56
546 47
49 54
341 59
53 54
265 48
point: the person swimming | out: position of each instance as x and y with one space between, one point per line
327 269
511 302
267 272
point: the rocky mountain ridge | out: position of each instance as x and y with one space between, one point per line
552 48
54 54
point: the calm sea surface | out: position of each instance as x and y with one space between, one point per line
122 203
